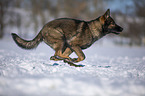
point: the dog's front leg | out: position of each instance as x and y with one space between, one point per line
79 53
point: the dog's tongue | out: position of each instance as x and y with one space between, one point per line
116 32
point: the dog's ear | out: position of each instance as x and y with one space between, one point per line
105 16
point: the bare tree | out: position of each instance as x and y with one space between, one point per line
3 6
140 7
137 29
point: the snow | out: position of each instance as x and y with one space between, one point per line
109 71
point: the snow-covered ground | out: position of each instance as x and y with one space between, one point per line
109 71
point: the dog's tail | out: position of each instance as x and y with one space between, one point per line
27 44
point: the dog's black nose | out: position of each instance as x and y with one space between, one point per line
121 29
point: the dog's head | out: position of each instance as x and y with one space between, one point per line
109 25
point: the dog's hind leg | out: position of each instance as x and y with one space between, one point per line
54 37
58 52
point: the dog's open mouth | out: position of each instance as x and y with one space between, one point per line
116 32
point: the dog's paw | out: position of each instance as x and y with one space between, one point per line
52 58
66 60
55 58
75 60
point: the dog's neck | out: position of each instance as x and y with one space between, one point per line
96 29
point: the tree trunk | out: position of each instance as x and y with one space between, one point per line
1 20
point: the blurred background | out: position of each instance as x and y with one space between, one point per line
27 17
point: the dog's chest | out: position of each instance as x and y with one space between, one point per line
86 45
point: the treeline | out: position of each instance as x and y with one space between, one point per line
24 16
134 23
15 13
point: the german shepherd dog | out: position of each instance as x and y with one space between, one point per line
66 35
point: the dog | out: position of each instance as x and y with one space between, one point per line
67 35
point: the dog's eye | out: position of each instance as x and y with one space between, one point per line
112 23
